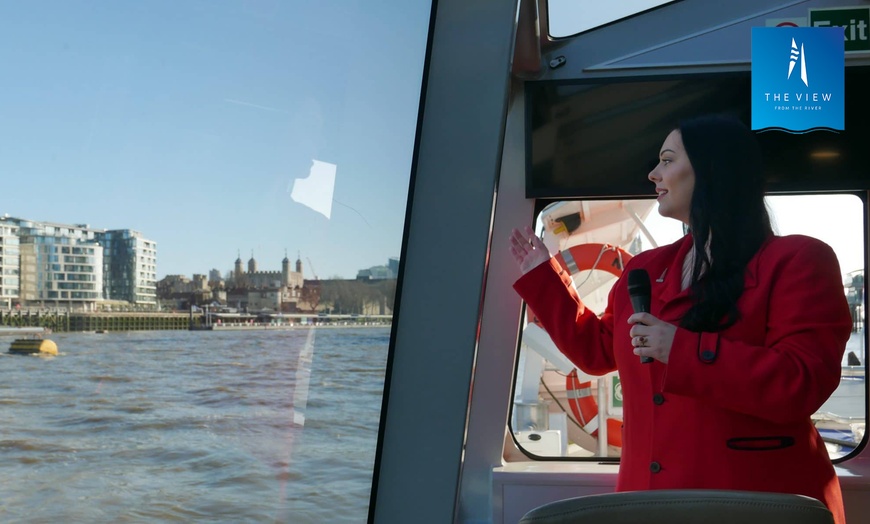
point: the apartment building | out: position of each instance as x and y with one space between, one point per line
9 263
77 266
130 266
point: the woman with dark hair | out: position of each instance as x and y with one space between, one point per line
746 330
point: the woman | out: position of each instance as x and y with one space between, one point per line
747 330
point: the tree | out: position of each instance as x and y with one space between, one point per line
311 294
387 290
355 297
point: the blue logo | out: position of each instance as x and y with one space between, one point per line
798 79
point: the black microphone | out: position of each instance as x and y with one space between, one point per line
639 292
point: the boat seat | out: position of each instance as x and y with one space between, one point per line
683 507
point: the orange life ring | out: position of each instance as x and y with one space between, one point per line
585 409
611 259
604 257
594 256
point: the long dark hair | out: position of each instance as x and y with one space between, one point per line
727 214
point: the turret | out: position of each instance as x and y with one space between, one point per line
285 269
237 272
252 264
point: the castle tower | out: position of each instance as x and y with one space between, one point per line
237 272
285 269
252 264
299 263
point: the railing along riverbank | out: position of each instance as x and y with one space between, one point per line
49 319
59 320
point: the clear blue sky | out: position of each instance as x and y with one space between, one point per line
189 120
569 17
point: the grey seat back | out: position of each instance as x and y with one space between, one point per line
683 507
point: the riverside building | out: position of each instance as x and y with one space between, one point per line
9 264
79 267
129 266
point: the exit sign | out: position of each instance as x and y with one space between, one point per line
855 22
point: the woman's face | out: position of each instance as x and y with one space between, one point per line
674 179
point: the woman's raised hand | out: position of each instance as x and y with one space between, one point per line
528 250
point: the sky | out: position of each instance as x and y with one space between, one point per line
198 122
569 17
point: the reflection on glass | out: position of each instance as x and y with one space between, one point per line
316 190
202 206
559 411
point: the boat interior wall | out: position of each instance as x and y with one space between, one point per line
445 250
499 334
601 137
527 48
533 39
687 34
708 46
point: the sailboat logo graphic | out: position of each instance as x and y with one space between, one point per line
795 55
792 102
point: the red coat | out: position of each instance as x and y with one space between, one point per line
730 410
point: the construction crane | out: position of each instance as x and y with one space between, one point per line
312 268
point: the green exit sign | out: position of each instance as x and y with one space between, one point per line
855 22
616 392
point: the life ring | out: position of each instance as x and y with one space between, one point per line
582 257
594 256
585 409
587 257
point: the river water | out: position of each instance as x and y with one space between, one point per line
178 426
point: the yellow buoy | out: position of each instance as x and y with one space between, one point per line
30 346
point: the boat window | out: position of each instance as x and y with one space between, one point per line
203 206
569 17
560 411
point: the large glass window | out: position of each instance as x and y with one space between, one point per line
273 132
569 17
559 411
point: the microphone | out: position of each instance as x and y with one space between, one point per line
639 292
